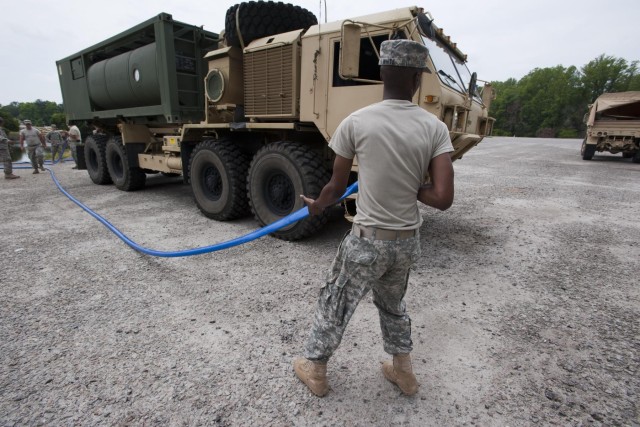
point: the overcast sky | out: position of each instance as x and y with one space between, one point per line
502 38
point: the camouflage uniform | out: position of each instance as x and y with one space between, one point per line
361 265
57 143
392 135
34 147
74 138
5 154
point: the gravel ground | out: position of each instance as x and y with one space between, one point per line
525 305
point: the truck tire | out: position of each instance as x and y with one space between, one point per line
124 176
587 150
95 158
636 157
279 173
218 175
627 155
264 18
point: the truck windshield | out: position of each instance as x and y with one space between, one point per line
453 72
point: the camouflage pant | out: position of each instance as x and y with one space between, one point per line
36 155
55 148
74 151
5 158
362 265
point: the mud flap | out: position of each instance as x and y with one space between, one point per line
82 164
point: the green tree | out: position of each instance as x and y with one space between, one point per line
506 108
608 74
41 113
13 109
59 119
550 97
10 122
634 83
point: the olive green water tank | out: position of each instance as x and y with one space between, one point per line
127 80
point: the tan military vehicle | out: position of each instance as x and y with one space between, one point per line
245 118
613 125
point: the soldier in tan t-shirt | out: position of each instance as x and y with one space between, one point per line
397 144
74 138
35 145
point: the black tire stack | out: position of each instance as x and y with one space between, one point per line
264 18
96 160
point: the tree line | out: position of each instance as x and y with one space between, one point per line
41 113
547 102
551 102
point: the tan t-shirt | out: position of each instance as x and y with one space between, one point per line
394 141
31 136
74 134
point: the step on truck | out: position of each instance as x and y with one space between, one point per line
613 125
245 116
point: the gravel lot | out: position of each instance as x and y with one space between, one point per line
525 305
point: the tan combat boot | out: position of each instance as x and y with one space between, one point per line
401 374
11 176
313 374
36 171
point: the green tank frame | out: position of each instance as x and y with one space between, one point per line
151 74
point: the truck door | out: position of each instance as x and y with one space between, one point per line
346 96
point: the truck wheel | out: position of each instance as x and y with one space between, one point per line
95 158
587 150
636 157
264 18
627 155
279 173
125 177
218 174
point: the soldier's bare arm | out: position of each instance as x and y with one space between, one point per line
439 193
334 189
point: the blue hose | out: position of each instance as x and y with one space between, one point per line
271 228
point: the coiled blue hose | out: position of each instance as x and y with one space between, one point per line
271 228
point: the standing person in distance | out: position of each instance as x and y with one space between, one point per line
74 139
35 145
397 144
5 154
54 137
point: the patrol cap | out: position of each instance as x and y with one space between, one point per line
53 126
404 53
27 122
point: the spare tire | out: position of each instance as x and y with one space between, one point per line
264 18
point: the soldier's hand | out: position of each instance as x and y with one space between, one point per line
311 204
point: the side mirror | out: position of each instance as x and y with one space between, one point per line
473 85
350 51
488 94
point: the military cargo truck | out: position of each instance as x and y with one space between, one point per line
613 125
245 117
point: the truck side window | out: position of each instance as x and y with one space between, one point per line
369 68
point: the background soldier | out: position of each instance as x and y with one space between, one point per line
5 154
398 144
35 145
74 138
54 137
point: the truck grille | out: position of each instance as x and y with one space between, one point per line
271 83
